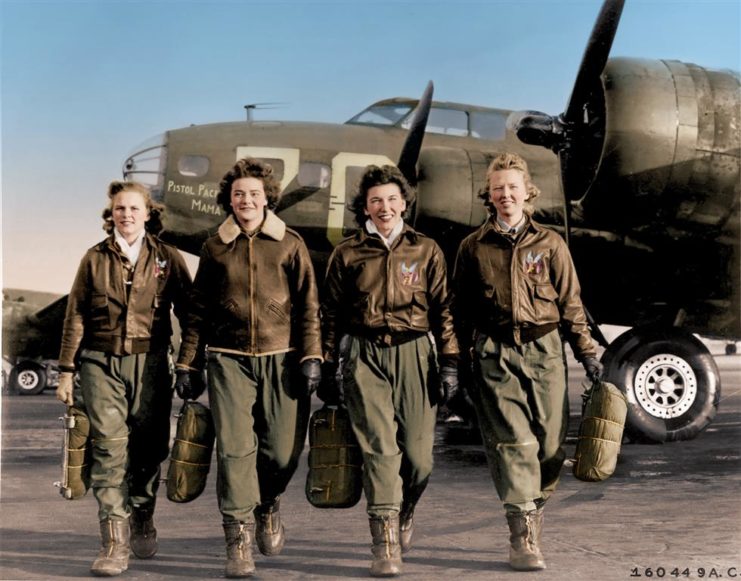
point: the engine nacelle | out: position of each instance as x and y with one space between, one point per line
670 151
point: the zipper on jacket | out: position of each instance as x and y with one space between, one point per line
514 286
390 293
253 268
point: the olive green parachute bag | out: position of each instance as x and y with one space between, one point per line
190 459
600 432
76 454
335 472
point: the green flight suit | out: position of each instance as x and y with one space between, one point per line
128 399
523 410
393 417
261 411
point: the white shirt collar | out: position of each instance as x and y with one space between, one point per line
507 229
371 228
130 250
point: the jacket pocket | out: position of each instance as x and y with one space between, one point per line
545 297
360 311
99 311
159 312
230 315
419 310
279 311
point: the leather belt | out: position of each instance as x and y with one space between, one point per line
388 338
527 334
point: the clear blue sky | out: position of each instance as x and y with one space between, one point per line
84 82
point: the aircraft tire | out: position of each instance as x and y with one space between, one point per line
670 379
27 378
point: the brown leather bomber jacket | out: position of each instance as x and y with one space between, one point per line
253 295
516 290
104 313
385 294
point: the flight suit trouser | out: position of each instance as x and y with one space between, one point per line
128 399
393 417
260 409
523 410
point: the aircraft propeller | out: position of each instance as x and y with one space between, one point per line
576 134
413 144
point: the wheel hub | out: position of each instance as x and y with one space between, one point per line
665 386
28 379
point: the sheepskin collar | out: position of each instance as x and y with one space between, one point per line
272 227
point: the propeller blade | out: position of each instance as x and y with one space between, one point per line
413 144
594 58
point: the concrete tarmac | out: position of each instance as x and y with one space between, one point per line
669 511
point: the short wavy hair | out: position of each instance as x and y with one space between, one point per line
249 167
510 161
378 176
156 210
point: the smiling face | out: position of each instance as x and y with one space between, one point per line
508 193
248 202
384 205
129 213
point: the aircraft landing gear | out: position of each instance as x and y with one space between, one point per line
28 378
671 381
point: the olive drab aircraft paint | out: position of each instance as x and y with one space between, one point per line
640 174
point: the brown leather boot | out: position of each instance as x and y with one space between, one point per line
113 558
143 534
406 527
239 562
386 549
411 495
538 525
524 550
269 532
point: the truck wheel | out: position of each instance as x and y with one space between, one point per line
28 378
670 379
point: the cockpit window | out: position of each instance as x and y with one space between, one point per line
444 122
448 122
193 166
488 124
453 119
382 115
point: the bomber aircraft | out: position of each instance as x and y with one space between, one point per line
31 334
640 174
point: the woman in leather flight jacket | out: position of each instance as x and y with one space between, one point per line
117 335
255 306
515 286
386 291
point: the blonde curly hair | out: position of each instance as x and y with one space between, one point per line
505 161
153 225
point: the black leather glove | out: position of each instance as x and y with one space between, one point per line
593 368
189 384
330 390
449 383
311 369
